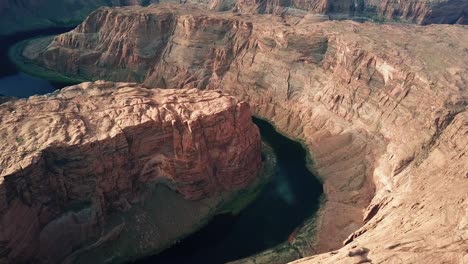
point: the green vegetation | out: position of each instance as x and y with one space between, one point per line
28 66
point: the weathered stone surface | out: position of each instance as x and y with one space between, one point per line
20 15
416 11
79 167
423 219
373 103
23 15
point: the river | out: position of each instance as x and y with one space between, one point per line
290 197
19 84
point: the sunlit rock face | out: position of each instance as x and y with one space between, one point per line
114 170
374 104
20 15
414 11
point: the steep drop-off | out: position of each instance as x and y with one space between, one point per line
103 172
374 104
414 11
21 15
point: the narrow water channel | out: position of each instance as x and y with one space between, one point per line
15 83
287 200
290 197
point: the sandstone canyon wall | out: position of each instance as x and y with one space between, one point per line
105 171
381 108
20 15
414 11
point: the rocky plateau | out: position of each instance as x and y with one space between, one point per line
105 172
382 109
411 11
21 15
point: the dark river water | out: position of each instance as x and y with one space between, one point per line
290 197
15 83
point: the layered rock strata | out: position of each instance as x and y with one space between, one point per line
371 103
21 15
33 14
103 171
414 11
424 216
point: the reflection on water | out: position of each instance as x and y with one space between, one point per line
287 200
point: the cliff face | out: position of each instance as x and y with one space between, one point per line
422 11
100 161
32 14
375 105
424 217
416 11
20 15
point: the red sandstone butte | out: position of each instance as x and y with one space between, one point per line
71 162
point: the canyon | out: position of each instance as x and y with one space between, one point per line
21 15
380 108
413 11
104 171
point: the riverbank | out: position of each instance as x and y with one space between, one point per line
300 234
304 237
279 220
20 77
124 250
23 64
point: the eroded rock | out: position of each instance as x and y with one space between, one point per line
416 11
117 166
381 108
32 14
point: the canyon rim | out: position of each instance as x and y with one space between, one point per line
380 107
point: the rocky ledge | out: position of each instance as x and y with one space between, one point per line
381 108
116 169
414 11
32 14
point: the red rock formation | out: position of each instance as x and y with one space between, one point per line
371 102
73 161
21 15
416 11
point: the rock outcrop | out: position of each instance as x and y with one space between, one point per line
414 11
376 105
107 171
424 217
21 15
